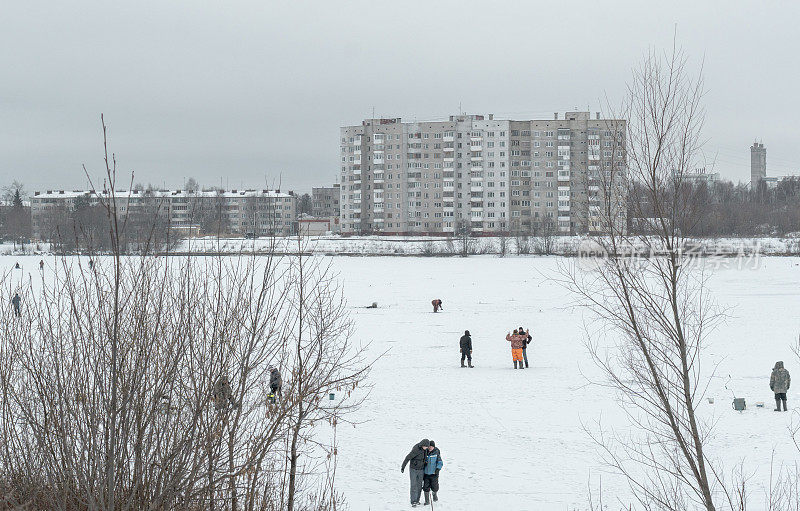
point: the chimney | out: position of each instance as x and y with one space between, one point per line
597 115
555 116
491 117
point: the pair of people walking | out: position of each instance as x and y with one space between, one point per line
519 343
425 462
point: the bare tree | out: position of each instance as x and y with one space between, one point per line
141 382
658 307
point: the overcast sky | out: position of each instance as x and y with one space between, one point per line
250 93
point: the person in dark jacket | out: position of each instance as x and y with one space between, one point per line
779 384
430 479
416 459
41 264
466 348
528 339
437 304
16 303
275 382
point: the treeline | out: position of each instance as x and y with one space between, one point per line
725 209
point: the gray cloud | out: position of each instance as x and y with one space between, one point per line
247 92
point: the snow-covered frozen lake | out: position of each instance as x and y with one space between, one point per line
512 439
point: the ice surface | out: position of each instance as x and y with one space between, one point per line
513 439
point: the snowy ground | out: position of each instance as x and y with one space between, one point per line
513 440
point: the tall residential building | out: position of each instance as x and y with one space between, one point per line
325 201
482 174
246 212
758 164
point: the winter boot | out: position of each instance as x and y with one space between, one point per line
784 405
435 497
427 499
777 404
515 364
470 364
462 363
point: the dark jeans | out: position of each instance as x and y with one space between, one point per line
416 483
525 355
780 397
430 482
467 355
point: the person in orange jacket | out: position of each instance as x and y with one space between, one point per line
517 340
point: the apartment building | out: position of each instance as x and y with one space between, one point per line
325 201
481 174
245 212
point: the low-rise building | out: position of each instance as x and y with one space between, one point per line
242 212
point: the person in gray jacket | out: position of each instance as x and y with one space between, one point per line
779 383
417 468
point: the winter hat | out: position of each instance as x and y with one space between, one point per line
466 332
521 329
425 442
433 444
778 365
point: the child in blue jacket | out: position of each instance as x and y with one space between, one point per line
430 478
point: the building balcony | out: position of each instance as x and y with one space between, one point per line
356 210
477 139
563 208
476 158
476 187
377 177
476 168
448 158
357 141
475 178
356 161
448 149
474 147
448 139
357 151
563 175
563 218
593 157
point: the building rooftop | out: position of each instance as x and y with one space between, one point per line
71 194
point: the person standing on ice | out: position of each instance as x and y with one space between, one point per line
466 348
275 381
528 338
430 479
41 264
16 303
416 458
437 304
517 342
779 384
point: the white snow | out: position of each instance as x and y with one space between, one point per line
513 439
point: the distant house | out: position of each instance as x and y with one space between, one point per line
310 226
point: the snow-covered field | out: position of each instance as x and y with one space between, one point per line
513 439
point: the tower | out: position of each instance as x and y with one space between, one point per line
758 164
